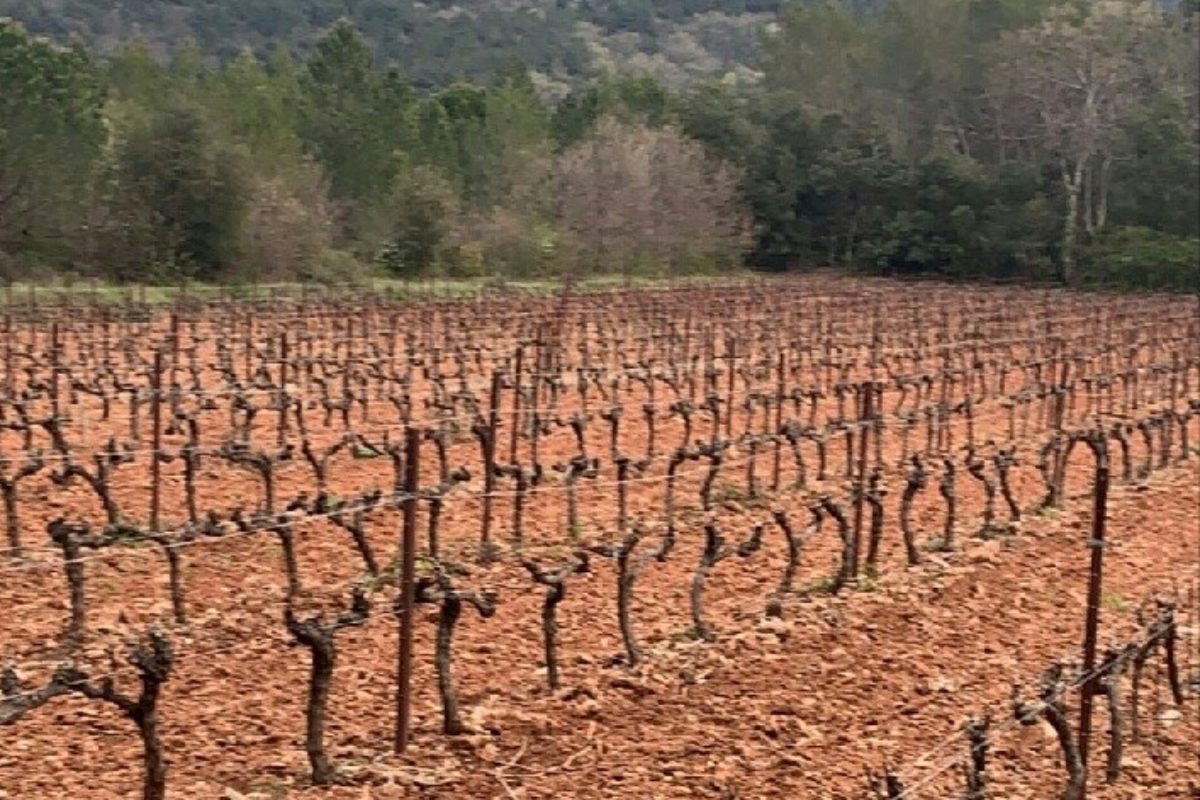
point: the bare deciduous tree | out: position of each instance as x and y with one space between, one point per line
630 194
1066 85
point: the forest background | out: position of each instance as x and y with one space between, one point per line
331 141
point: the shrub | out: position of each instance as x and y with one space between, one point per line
336 267
1141 258
422 206
511 245
288 227
177 198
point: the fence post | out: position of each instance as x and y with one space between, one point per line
156 441
412 478
1099 445
174 348
9 384
779 390
489 479
866 392
731 359
515 422
284 400
54 369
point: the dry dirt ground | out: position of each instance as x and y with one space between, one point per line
884 673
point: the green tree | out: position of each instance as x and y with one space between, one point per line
178 198
51 135
575 115
259 108
729 123
1068 84
516 130
1151 185
134 75
819 53
434 144
465 108
421 214
353 120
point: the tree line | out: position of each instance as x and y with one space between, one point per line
1016 139
435 42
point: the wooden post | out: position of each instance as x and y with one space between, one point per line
54 364
779 390
515 422
408 547
538 358
249 345
489 479
1099 445
9 384
687 357
283 392
156 441
392 327
174 347
866 392
731 358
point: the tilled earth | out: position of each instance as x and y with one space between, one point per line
885 673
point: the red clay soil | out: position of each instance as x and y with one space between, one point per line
885 673
774 708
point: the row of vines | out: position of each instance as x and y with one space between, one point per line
523 441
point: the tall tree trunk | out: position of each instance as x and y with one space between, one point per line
1102 193
1073 182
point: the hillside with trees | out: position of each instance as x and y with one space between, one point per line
438 42
1020 139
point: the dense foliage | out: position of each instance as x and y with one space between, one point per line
1021 139
438 41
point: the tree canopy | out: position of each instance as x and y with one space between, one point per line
1018 139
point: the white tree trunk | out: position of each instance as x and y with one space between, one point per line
1073 181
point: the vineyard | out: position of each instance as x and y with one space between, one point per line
803 538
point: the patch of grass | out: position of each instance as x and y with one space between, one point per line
824 585
1047 512
372 583
938 544
989 532
1114 601
869 578
362 451
932 573
101 293
489 553
556 553
125 533
726 491
685 636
